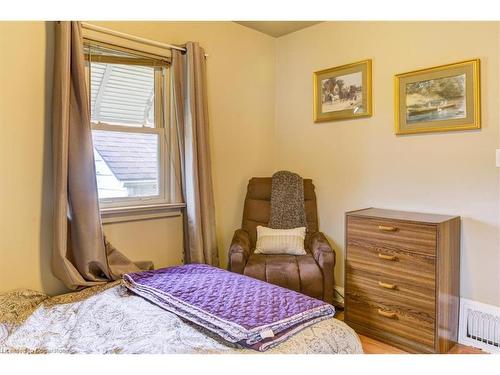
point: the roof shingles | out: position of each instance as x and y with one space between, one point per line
130 156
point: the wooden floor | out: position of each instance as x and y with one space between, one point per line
372 346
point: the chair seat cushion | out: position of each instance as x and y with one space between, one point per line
300 273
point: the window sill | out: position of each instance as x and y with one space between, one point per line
137 213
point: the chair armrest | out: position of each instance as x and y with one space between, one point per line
325 257
239 251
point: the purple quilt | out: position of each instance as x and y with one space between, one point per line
238 308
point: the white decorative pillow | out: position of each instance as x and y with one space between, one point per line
280 241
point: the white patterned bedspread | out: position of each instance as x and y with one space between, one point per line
117 321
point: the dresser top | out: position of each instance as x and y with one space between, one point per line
401 215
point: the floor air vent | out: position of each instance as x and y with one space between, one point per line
479 325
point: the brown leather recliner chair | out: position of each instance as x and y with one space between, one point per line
310 274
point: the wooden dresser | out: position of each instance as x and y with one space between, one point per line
402 278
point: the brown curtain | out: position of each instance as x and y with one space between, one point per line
81 256
192 154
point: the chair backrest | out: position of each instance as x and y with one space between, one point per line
257 209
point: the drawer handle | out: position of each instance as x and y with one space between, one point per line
386 228
387 286
387 314
387 257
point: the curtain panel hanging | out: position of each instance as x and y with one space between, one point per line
189 135
81 256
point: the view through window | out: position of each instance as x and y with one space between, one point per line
127 126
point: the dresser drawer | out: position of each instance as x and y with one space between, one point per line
393 234
391 322
391 263
393 292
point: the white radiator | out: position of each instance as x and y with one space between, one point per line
479 325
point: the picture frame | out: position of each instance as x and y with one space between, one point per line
343 92
438 99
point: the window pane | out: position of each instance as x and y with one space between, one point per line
126 164
122 94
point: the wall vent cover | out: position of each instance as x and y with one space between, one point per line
479 325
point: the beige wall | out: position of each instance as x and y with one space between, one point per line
241 70
158 240
361 163
260 99
25 158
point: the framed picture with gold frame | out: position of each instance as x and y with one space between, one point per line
438 99
343 92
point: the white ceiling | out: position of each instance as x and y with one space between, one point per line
277 28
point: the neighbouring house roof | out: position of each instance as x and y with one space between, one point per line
130 156
107 183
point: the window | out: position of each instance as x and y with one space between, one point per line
127 110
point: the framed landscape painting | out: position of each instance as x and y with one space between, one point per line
443 98
343 92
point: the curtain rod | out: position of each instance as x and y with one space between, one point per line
131 37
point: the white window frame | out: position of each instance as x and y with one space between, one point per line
161 87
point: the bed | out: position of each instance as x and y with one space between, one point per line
112 319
